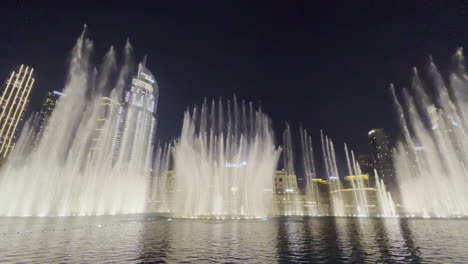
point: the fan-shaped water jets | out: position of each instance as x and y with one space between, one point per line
432 158
77 169
224 163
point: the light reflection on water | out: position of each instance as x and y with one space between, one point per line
150 238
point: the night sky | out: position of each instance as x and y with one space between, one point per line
327 66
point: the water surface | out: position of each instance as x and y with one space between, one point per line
151 238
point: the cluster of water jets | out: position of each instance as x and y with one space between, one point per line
224 162
70 168
223 166
359 198
432 159
430 162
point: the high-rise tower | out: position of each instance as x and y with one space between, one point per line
13 103
42 117
135 140
382 156
104 127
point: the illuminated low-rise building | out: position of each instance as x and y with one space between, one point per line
13 104
358 181
285 183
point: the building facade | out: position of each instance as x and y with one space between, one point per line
136 124
285 183
104 127
382 157
42 117
366 166
13 105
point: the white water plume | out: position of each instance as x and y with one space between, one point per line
312 194
432 158
384 198
162 180
358 185
291 202
76 169
331 170
224 162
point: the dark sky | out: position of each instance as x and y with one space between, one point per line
327 66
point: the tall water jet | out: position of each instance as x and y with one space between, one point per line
432 158
291 202
331 170
386 205
162 180
358 185
224 162
313 200
78 167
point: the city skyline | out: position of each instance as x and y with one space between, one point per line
138 97
234 132
307 67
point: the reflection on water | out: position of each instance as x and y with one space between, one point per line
151 238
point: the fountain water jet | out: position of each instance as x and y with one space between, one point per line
432 158
291 202
224 163
73 171
312 194
331 170
161 181
358 186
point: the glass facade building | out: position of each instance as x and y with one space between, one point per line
42 117
136 123
382 156
13 105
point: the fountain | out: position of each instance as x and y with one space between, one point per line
384 198
352 197
161 180
224 163
331 170
78 167
290 202
95 156
432 158
312 195
358 185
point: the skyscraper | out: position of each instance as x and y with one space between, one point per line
105 126
13 104
365 163
137 121
42 117
382 157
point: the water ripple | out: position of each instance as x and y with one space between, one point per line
143 238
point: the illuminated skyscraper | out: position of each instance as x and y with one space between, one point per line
366 166
104 127
382 156
138 121
42 117
13 103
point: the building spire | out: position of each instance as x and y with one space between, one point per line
144 60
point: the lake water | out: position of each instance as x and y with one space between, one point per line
155 239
